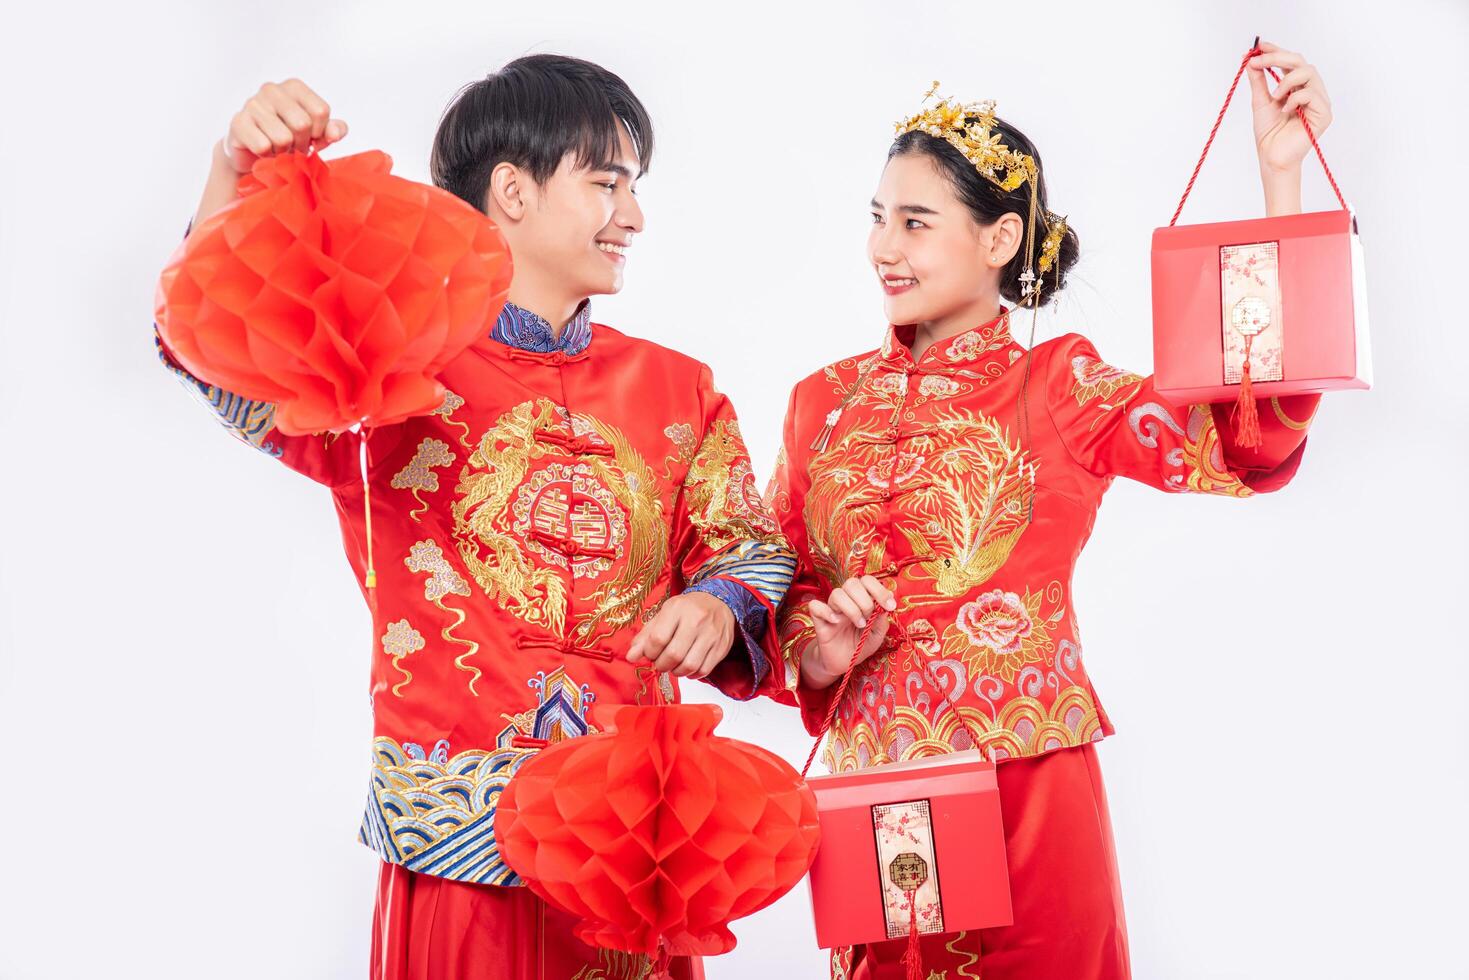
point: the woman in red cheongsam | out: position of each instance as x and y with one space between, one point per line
945 484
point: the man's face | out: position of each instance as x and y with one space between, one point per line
579 224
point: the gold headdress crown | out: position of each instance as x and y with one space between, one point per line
969 127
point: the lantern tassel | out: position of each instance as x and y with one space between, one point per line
371 575
663 965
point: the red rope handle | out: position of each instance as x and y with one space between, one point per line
862 638
836 700
1229 97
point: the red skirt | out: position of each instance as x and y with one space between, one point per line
428 928
1063 886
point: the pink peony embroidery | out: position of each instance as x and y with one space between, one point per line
937 386
997 621
882 474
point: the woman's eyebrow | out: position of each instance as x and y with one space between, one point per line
906 208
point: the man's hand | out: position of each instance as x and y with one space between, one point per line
689 637
276 119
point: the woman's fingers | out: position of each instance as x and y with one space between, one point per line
820 610
878 634
881 594
857 590
843 602
1299 98
1276 58
1259 90
1292 80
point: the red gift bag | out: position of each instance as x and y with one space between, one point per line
907 849
1257 308
910 840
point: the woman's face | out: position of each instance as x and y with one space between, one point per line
932 259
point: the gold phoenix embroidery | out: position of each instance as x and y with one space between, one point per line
966 507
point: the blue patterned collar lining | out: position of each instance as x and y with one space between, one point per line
519 327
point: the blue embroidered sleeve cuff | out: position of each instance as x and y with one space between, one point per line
247 420
742 672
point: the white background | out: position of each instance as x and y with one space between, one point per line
184 662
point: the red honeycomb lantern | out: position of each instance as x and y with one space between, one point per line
659 834
333 289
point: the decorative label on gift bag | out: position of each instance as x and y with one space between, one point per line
903 833
1249 288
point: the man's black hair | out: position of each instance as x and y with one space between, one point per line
532 113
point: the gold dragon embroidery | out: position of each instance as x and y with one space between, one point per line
494 550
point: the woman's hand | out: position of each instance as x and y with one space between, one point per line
839 622
279 118
1280 140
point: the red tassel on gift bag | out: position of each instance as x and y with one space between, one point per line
1246 416
1253 309
913 955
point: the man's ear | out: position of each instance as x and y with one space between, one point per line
509 191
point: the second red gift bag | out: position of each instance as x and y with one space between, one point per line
1259 308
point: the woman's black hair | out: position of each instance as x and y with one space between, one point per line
987 203
532 113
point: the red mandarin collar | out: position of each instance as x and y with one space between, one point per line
974 349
